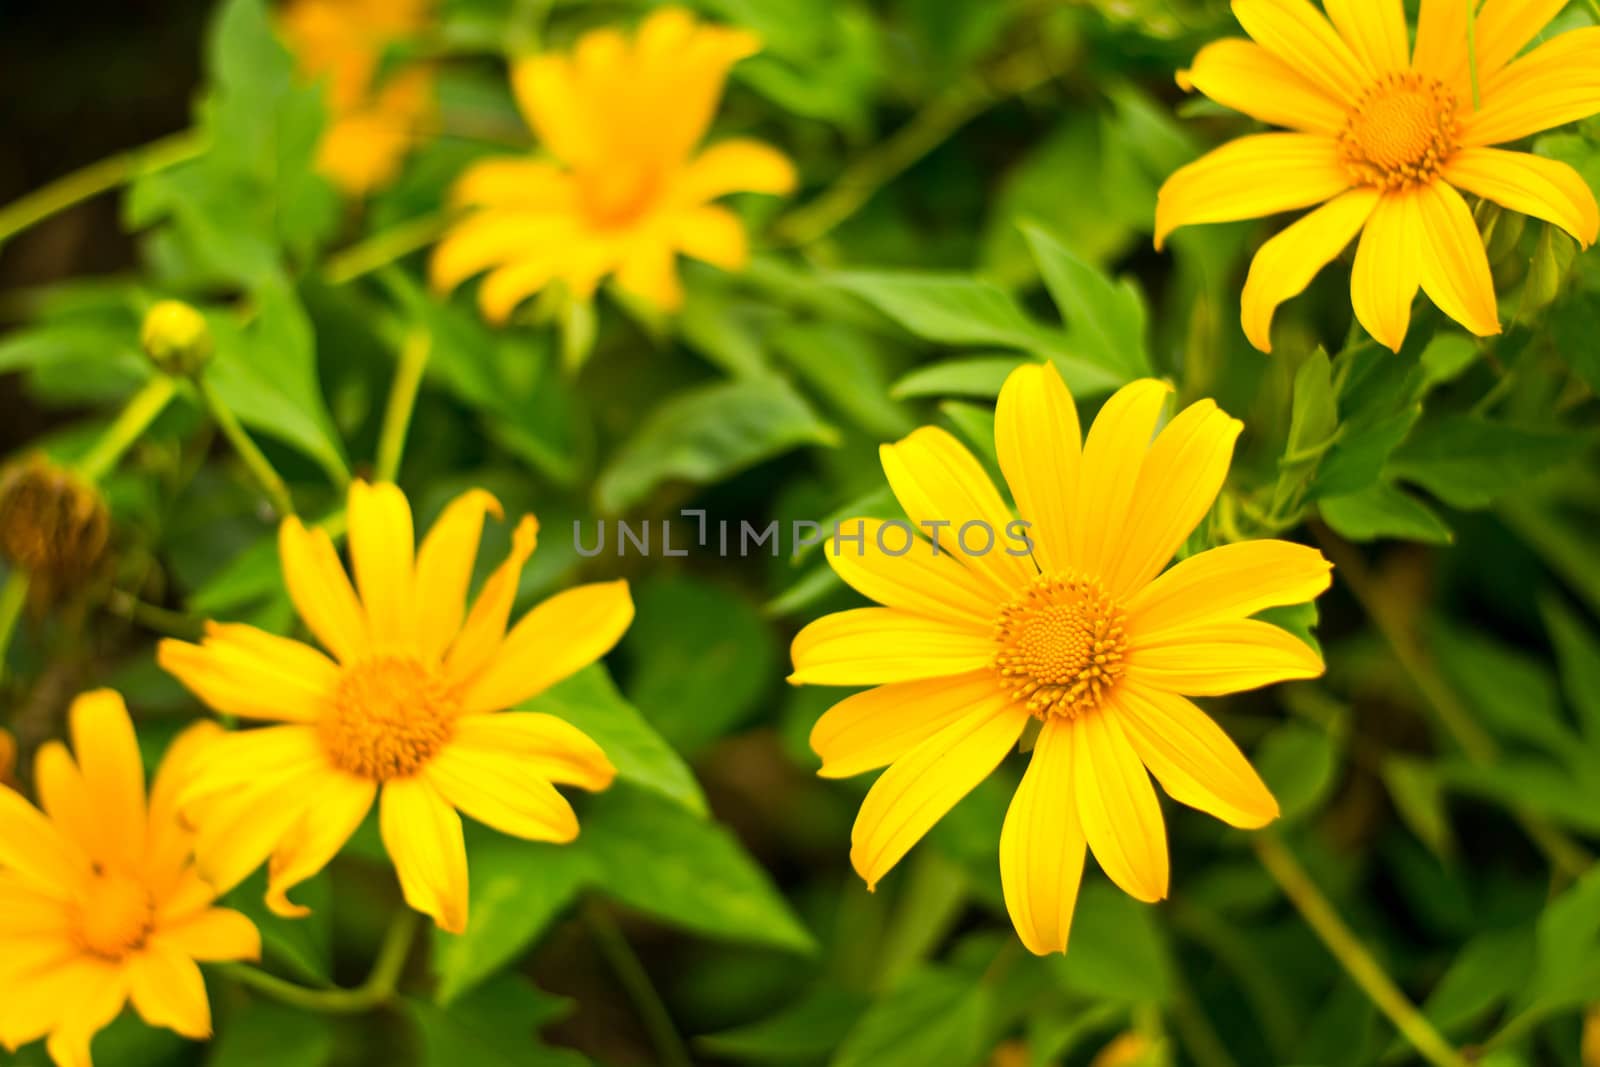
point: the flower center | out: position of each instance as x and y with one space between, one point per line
114 917
390 716
616 195
1061 643
1401 132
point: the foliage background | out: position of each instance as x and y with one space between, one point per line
1442 784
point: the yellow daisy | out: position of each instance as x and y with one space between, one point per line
100 903
1386 134
373 116
627 190
1084 633
410 705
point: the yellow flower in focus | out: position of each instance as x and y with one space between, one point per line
627 191
1386 135
1080 630
374 115
100 903
408 706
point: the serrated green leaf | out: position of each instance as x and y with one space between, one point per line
1467 461
1105 319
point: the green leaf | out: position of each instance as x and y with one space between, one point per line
1105 319
707 433
304 947
975 425
980 377
804 1032
933 1016
1298 762
1116 951
1418 794
1567 957
949 309
846 368
589 701
1486 972
1578 662
494 1027
1514 694
1467 461
1383 511
265 1033
1356 460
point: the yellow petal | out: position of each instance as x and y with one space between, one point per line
734 166
888 563
66 798
169 836
917 790
1554 84
382 544
497 789
870 646
444 569
1118 807
1229 582
1504 26
1441 48
1113 454
510 285
874 728
1454 265
35 850
518 183
88 1000
188 895
215 935
113 771
543 86
1039 445
25 912
237 831
713 235
39 978
1285 265
1214 658
167 990
1242 75
1388 268
485 627
332 813
546 746
1253 176
1375 31
239 670
1195 762
1544 188
423 836
938 481
493 236
649 271
244 759
555 640
1041 845
1178 482
1296 33
321 590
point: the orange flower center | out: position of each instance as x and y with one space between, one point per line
1061 643
114 917
1401 131
614 196
390 716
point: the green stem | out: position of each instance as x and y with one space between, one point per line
12 597
636 981
1352 955
1472 51
366 256
135 419
402 402
376 991
97 178
261 468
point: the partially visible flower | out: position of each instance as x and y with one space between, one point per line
53 524
1386 134
627 191
410 706
176 338
1128 1049
100 903
8 759
1082 631
374 114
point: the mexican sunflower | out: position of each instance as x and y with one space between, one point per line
100 902
1384 136
374 114
408 708
1083 633
627 189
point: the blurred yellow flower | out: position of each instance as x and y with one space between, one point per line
1079 630
408 706
374 115
1386 135
99 900
8 759
628 191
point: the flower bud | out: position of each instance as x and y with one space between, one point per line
176 338
53 525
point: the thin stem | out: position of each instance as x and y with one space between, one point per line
1352 955
135 419
1472 51
376 991
12 597
261 468
1452 713
97 178
636 981
380 250
402 402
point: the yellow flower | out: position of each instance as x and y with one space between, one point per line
99 900
374 116
1387 135
628 190
408 706
1083 633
